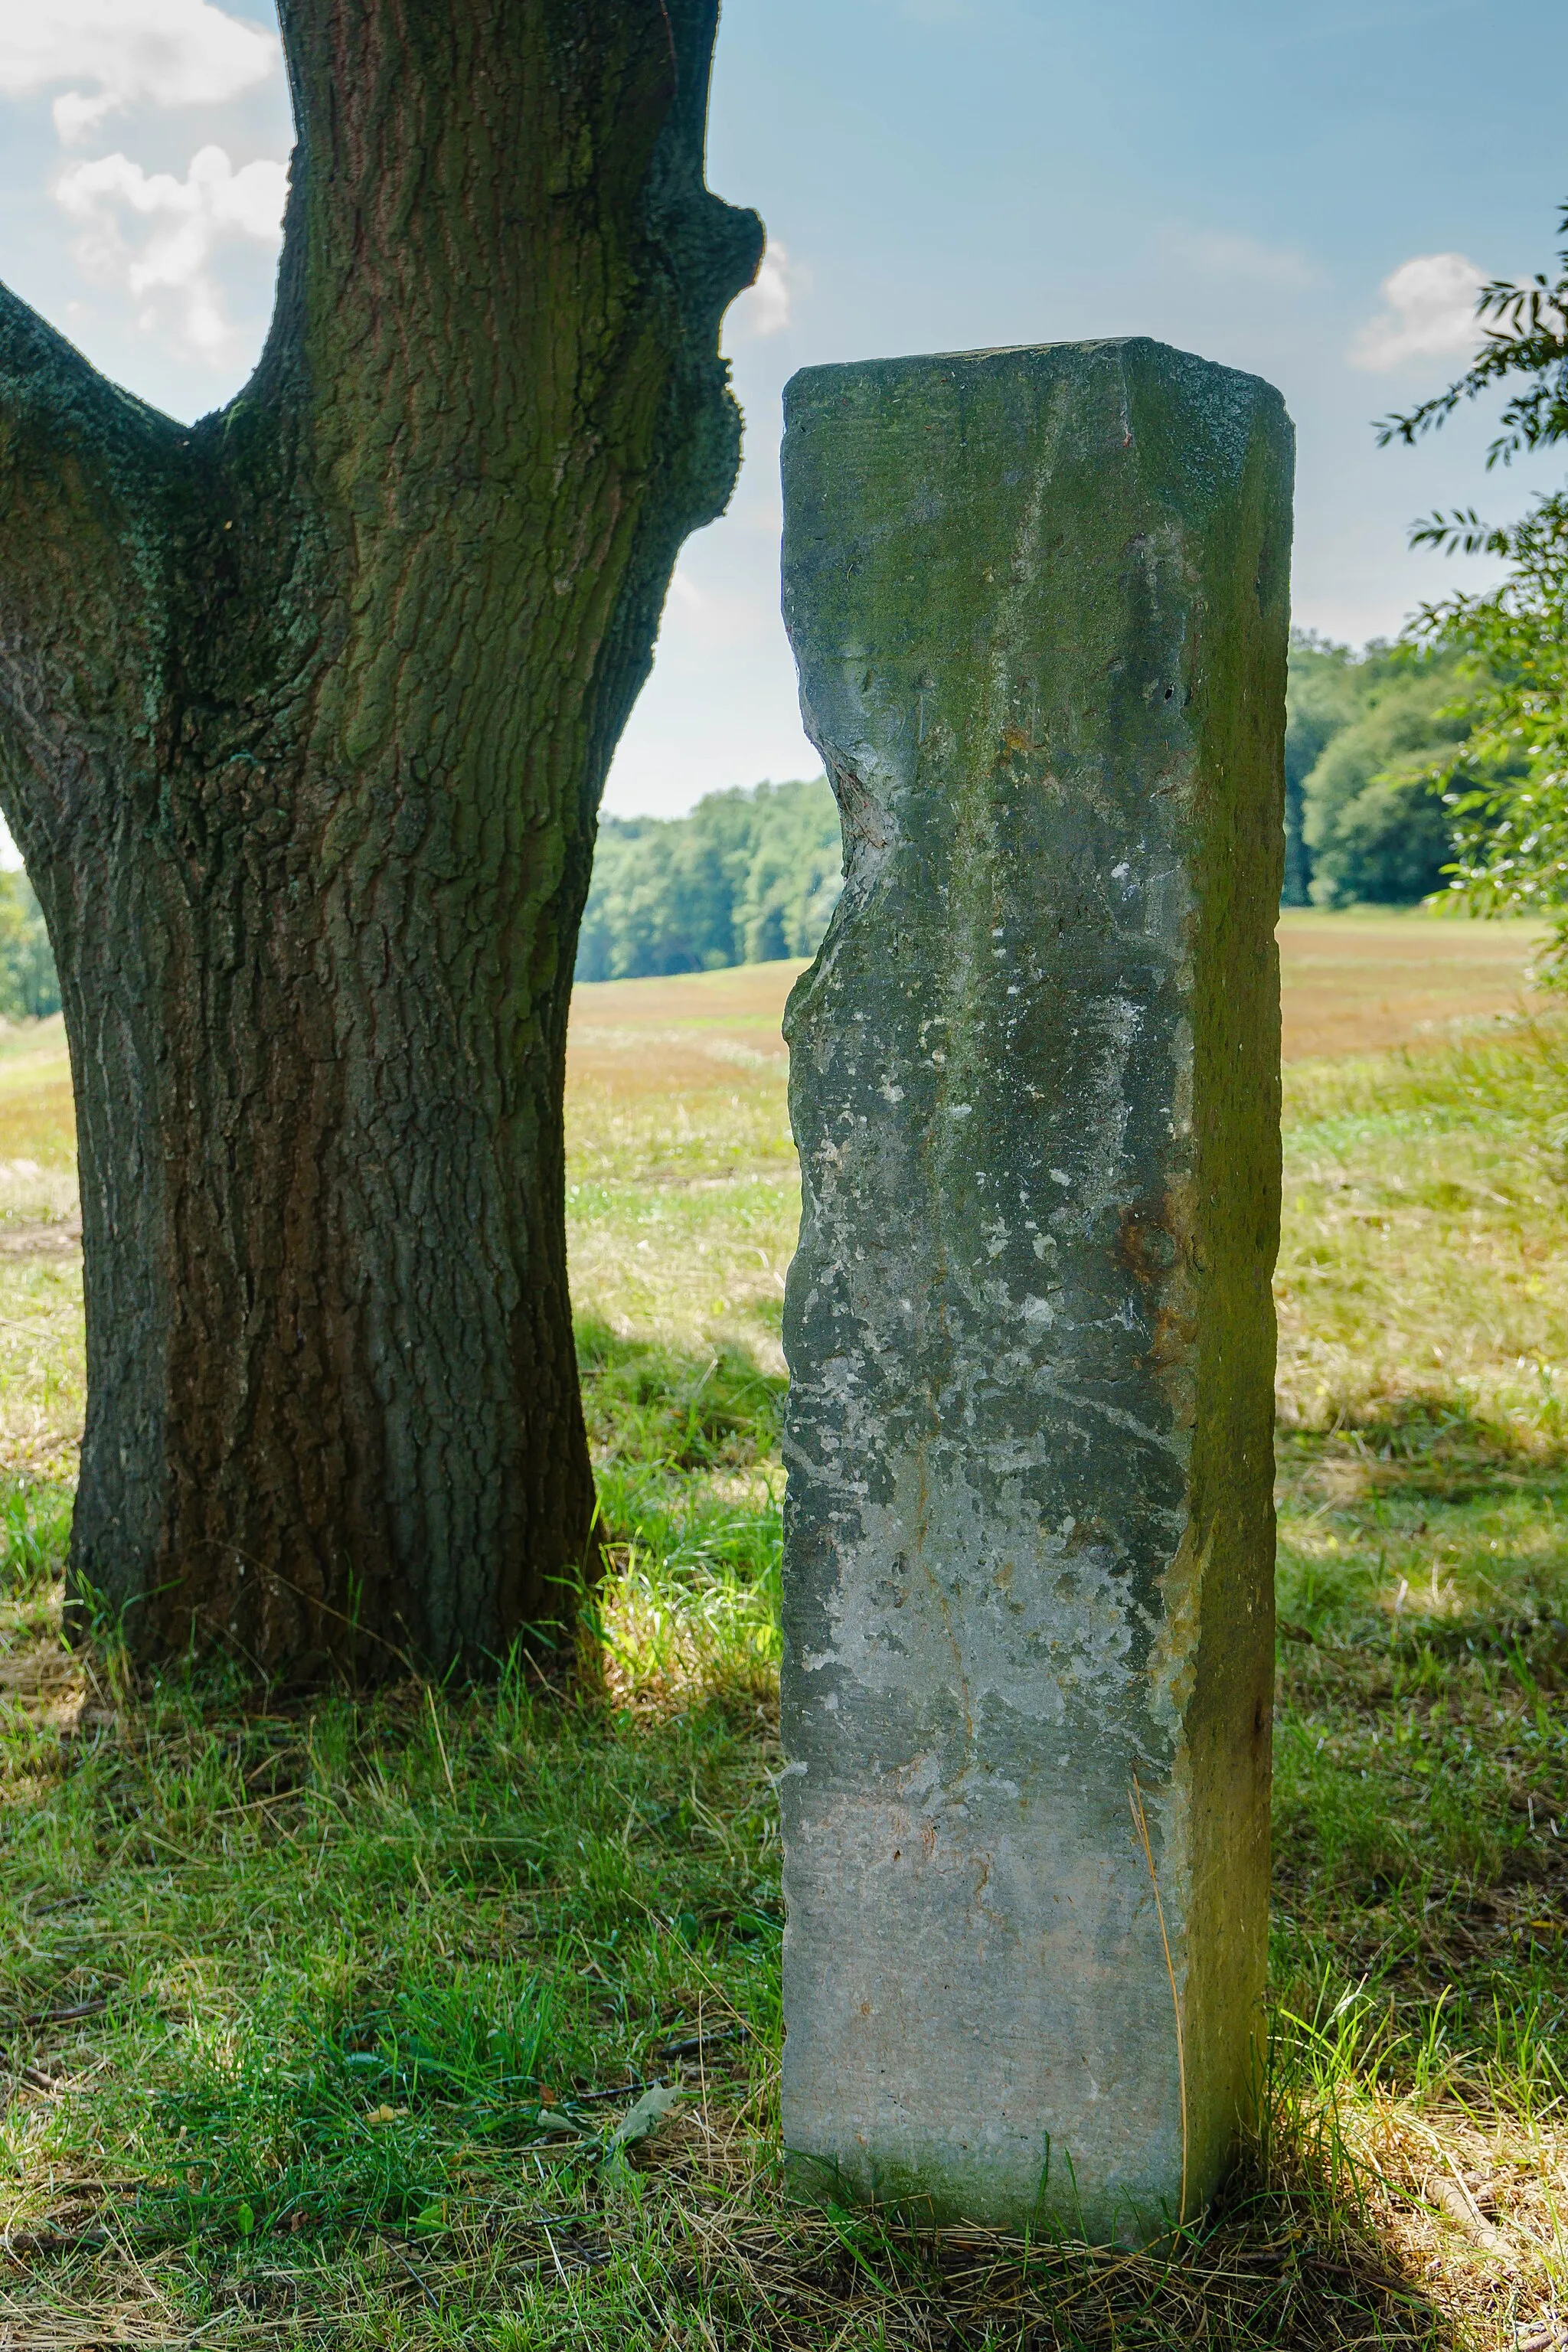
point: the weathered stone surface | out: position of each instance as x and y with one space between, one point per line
1038 599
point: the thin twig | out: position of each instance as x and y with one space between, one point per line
54 2016
616 2091
398 2255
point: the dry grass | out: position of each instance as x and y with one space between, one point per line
288 1928
683 1200
1371 980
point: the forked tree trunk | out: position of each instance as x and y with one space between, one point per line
305 712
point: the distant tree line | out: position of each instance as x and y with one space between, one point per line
751 876
747 877
1438 763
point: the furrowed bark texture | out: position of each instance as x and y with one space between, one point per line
305 712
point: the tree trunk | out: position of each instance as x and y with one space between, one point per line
305 712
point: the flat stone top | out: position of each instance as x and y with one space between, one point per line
810 385
1003 355
1202 418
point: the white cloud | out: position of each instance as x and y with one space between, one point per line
1231 253
176 228
765 308
117 52
1429 313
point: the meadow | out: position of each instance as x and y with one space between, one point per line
429 2018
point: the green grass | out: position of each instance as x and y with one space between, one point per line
321 2015
1422 1272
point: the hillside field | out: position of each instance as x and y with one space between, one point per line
324 2019
683 1199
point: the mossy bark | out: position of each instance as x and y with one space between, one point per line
305 712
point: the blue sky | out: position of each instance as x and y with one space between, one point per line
1310 193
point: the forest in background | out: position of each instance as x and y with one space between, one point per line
747 877
1365 734
751 875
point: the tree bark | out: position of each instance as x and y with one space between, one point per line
305 713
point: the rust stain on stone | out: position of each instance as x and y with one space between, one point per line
1155 1243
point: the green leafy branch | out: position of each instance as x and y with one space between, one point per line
1525 335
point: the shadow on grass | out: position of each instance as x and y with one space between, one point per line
1429 1444
666 1412
1261 2274
685 2235
380 1980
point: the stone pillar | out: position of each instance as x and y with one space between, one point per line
1038 599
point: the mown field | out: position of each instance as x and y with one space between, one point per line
333 2022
